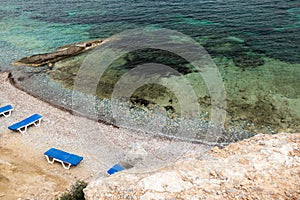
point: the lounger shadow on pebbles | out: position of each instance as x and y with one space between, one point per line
66 159
6 110
21 126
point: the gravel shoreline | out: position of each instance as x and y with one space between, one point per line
120 113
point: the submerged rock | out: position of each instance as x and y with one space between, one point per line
61 53
245 61
228 47
264 100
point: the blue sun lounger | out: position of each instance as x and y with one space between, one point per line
116 168
22 125
6 110
66 159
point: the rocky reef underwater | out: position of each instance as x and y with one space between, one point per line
262 94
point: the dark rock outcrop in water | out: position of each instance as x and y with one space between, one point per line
246 61
61 53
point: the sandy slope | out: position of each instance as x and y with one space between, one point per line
24 171
22 177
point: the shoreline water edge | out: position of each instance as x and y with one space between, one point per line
253 105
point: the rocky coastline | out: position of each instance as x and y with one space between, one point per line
61 53
257 102
261 167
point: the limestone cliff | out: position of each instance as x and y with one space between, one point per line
262 167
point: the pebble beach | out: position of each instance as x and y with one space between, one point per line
101 146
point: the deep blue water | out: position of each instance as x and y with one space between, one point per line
270 27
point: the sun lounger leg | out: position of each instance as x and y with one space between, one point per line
37 123
24 129
7 114
66 167
50 161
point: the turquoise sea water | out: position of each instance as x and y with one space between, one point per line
27 27
255 44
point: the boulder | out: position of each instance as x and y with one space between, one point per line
245 61
61 53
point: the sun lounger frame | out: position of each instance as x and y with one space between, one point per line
23 128
6 110
64 164
36 123
66 155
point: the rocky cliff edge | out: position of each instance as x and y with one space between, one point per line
262 167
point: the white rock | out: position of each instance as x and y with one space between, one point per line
152 196
167 181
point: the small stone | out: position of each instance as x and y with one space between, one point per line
262 142
215 149
213 174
